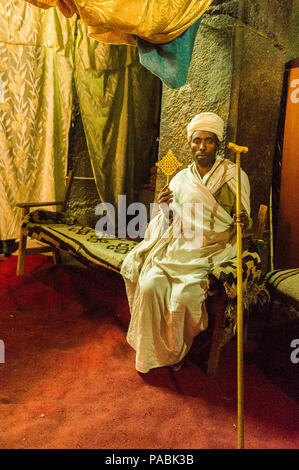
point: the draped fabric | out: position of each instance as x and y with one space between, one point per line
163 30
36 67
118 21
120 105
119 101
171 61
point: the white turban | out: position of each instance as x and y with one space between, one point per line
210 122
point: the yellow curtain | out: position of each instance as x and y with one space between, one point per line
117 21
36 68
120 107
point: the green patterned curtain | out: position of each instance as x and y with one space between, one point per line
119 102
36 69
120 107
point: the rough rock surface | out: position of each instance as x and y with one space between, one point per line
293 42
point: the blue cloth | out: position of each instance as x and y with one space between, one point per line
171 61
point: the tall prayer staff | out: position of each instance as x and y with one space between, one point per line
240 328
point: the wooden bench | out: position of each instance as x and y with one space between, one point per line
283 286
26 206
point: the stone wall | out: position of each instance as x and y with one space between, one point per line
261 79
293 42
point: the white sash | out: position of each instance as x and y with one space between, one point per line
223 171
178 254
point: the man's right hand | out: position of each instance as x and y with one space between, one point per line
165 195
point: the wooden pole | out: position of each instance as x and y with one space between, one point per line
271 232
240 327
22 246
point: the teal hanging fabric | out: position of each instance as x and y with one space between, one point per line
171 61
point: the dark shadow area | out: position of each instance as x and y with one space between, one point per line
273 356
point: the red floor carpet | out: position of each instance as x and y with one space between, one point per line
69 379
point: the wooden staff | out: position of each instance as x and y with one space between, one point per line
238 150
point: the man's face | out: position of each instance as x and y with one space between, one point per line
204 146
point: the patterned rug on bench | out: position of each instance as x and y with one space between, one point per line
64 233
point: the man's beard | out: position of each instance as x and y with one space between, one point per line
205 161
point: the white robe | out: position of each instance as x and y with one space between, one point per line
166 276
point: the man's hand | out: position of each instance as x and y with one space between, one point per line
244 219
165 197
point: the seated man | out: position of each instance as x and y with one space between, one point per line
166 277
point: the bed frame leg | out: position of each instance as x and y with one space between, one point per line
22 247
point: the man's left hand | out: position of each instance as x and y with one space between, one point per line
244 219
